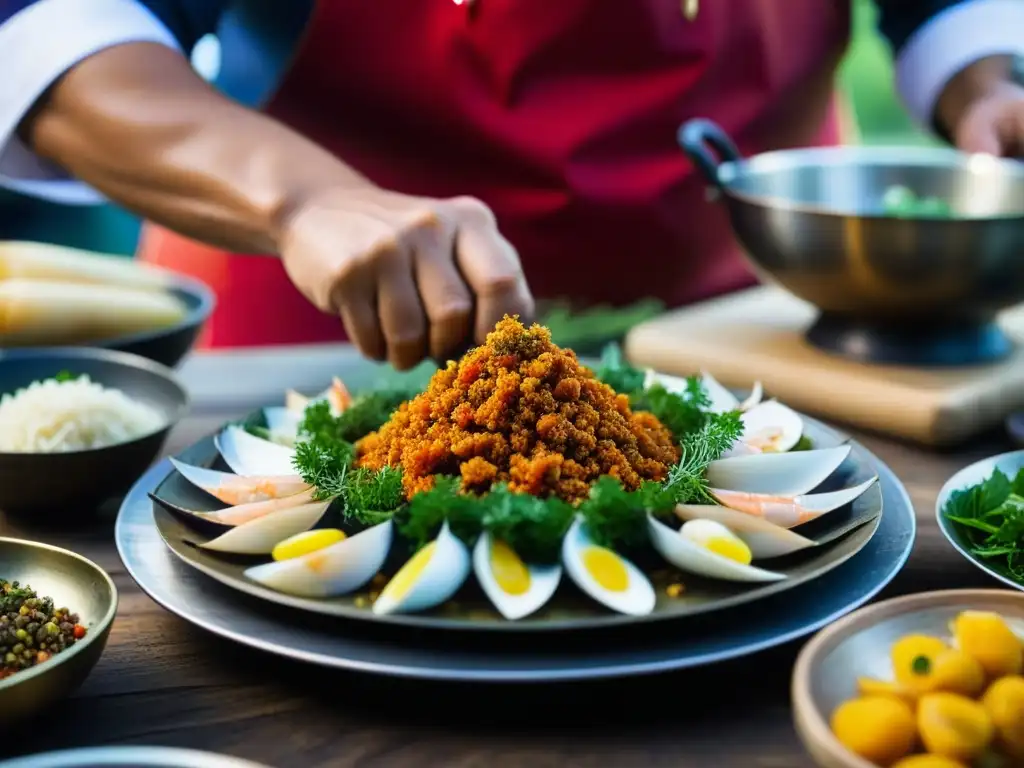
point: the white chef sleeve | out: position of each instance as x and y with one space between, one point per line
953 39
39 44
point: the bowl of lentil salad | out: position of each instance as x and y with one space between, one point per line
56 611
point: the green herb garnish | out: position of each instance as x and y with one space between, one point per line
65 376
366 414
990 518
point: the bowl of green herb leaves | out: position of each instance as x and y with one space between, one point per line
981 512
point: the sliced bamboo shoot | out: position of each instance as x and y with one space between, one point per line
41 312
45 261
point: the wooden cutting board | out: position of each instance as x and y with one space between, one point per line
758 335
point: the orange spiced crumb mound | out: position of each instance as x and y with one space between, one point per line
521 410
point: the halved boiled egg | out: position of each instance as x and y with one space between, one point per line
707 548
308 541
515 588
605 575
428 578
328 571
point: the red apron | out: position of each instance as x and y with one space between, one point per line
559 114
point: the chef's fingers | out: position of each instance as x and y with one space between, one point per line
402 319
356 300
491 267
447 300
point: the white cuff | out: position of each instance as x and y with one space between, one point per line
37 46
955 38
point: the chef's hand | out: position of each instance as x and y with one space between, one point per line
410 277
983 109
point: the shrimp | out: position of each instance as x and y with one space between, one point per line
243 513
790 511
235 489
784 511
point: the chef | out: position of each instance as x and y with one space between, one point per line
419 168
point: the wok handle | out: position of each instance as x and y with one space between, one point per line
698 137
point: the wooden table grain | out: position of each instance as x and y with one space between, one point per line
163 682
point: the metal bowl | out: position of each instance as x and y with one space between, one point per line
68 485
890 289
859 645
72 581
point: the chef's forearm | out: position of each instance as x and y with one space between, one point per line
137 123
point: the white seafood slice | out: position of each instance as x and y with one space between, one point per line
295 403
605 575
768 427
721 398
244 513
283 424
260 536
755 396
249 455
235 489
789 511
335 570
515 588
685 553
777 474
428 578
766 540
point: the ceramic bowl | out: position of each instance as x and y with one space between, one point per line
1009 464
68 485
76 583
859 646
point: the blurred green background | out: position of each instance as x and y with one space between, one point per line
866 77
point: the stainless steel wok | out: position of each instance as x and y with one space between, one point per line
890 289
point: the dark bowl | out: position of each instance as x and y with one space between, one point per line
68 485
169 345
71 581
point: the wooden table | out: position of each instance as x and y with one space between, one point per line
163 682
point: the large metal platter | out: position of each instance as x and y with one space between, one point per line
507 657
844 533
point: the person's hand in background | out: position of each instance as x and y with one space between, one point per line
410 277
982 108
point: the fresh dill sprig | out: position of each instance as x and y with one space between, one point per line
370 496
324 464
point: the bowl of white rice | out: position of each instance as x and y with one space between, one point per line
79 425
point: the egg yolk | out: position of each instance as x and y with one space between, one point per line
606 568
509 571
407 575
731 549
306 542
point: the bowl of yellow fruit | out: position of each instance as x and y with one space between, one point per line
934 680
